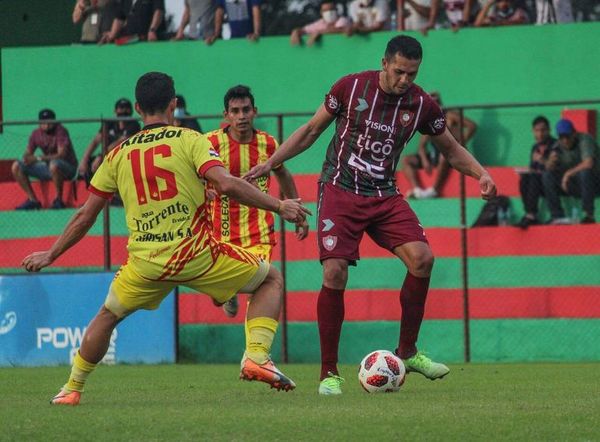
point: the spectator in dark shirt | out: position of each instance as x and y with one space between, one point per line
181 116
57 161
573 168
138 20
530 183
243 16
97 18
116 132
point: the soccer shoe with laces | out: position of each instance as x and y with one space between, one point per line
422 364
66 398
267 373
331 385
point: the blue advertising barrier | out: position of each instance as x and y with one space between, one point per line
43 319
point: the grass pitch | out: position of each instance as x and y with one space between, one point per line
208 402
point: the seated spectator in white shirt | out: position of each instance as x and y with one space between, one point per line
414 16
329 23
369 15
505 13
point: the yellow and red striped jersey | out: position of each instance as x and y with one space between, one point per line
233 222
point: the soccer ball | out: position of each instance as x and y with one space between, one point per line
381 371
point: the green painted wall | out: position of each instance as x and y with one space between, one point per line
37 22
491 341
473 66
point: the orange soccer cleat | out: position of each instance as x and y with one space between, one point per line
66 398
267 373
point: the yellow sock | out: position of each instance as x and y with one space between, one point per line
79 373
259 338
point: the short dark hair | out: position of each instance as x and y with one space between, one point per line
154 91
404 45
239 91
540 119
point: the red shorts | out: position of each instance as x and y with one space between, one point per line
343 217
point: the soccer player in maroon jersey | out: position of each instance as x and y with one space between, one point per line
376 114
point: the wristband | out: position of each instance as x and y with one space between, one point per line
278 206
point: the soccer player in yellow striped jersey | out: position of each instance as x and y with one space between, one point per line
159 173
242 147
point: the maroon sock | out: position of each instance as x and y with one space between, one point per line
330 315
412 300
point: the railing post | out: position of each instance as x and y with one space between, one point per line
282 247
464 251
106 211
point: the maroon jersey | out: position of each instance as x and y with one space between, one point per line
372 129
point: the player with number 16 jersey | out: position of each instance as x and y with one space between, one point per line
165 209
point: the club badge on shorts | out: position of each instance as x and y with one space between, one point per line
329 242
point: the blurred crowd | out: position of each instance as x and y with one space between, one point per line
129 21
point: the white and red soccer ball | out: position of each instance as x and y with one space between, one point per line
381 371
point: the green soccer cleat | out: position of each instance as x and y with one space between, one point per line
422 364
331 385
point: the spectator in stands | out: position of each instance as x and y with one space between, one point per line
116 132
504 13
329 23
243 16
369 15
428 156
57 161
181 113
138 20
200 16
530 183
97 17
573 169
460 13
553 11
415 14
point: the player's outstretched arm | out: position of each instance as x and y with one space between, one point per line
289 190
76 229
298 142
462 160
245 193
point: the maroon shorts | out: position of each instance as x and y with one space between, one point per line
343 217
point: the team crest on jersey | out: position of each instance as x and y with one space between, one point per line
405 118
332 102
213 153
329 242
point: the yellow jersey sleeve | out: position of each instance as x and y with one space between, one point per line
203 155
104 183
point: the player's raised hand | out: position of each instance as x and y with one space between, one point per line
37 261
487 186
292 210
301 229
258 171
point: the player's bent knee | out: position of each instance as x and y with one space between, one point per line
422 264
335 273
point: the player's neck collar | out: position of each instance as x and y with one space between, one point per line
154 126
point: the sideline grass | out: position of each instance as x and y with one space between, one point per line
208 402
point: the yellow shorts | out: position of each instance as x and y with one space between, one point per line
231 273
263 251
